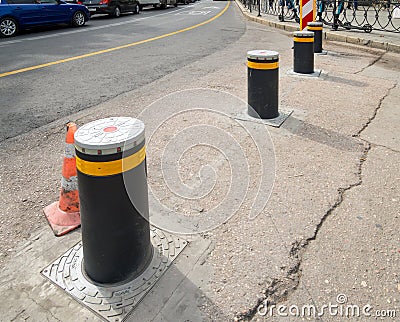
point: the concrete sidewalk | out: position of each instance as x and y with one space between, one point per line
389 41
329 233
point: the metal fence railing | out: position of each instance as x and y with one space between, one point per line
366 15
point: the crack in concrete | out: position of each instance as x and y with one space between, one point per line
278 289
18 314
383 146
41 306
372 118
372 63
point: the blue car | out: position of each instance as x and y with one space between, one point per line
16 15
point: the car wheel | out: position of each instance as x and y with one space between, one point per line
136 10
8 27
78 20
117 12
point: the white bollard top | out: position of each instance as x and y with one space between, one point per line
304 34
263 55
109 135
315 24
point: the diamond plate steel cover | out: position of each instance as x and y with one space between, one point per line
115 302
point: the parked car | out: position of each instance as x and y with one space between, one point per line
157 3
112 7
16 15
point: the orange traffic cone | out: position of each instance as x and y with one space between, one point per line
63 215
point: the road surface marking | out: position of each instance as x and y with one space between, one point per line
194 13
104 51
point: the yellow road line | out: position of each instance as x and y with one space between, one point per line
61 61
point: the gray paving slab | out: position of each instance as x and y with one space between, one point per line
181 292
356 257
389 114
385 127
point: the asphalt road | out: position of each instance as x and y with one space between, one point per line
51 73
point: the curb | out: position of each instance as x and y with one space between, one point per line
327 35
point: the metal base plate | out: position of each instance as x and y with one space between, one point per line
276 122
113 302
322 53
316 73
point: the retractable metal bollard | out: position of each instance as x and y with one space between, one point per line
110 154
316 28
263 83
303 52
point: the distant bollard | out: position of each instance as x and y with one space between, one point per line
110 159
263 83
316 28
303 52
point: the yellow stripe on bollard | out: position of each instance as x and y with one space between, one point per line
314 28
109 168
262 66
303 39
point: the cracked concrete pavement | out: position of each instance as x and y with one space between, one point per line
330 226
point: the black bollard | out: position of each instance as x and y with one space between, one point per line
303 52
316 28
263 83
110 153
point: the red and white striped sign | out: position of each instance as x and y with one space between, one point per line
307 12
